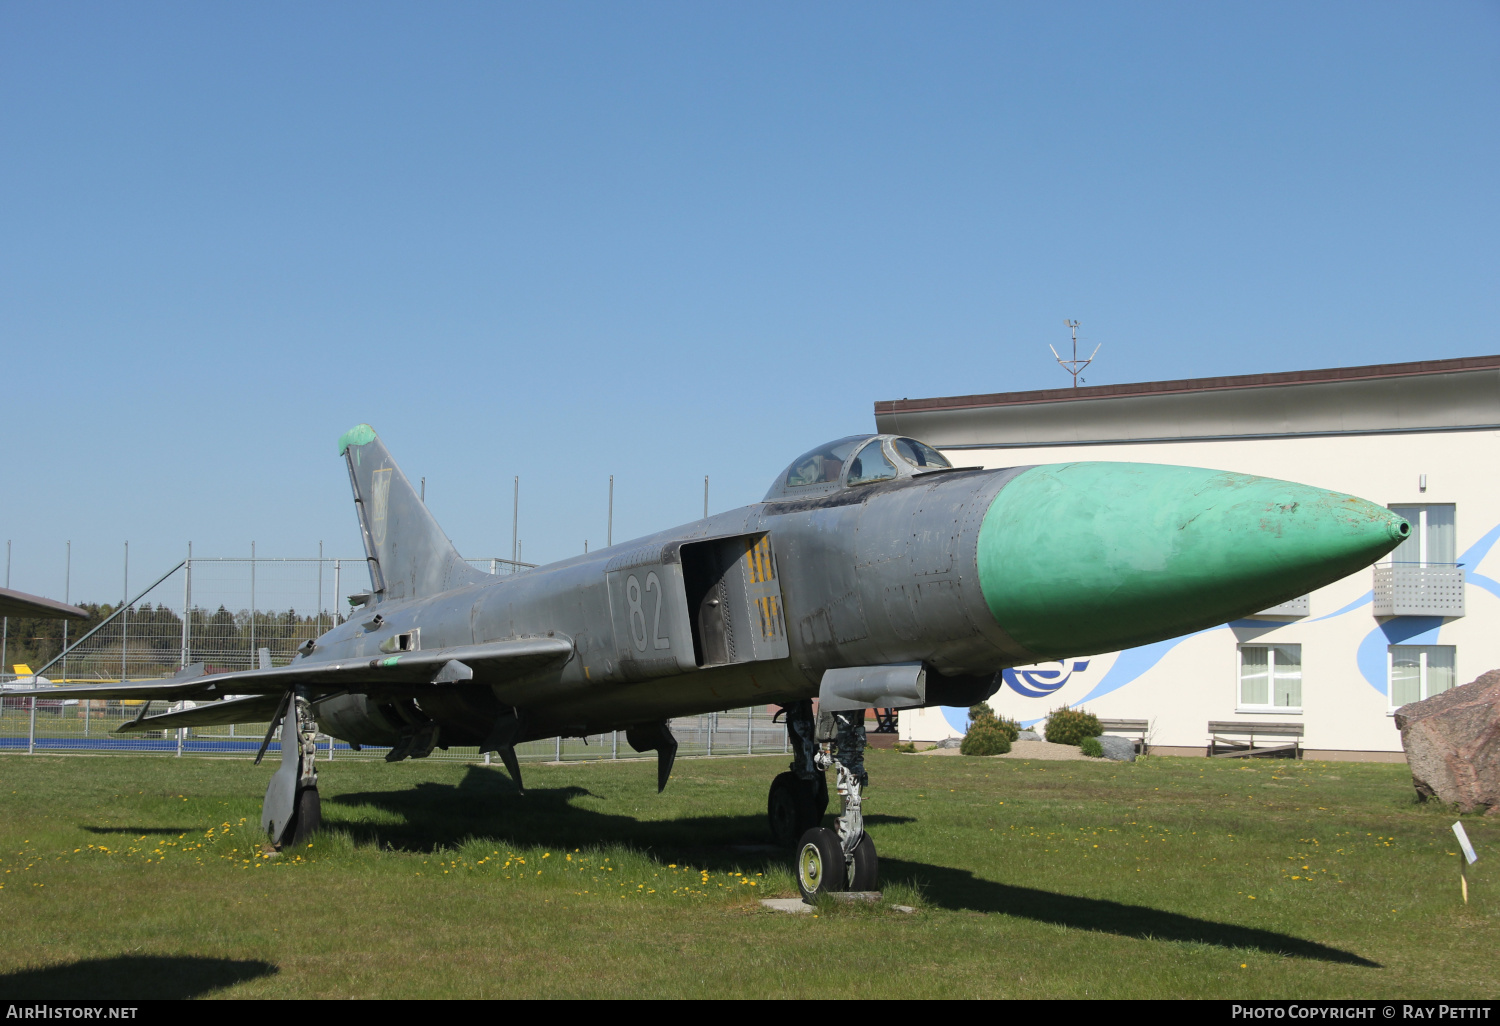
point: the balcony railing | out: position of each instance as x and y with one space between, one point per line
1419 589
1290 609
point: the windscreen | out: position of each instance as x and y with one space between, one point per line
822 465
920 454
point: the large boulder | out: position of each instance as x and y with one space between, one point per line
1452 743
1120 749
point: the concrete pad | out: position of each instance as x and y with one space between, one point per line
793 905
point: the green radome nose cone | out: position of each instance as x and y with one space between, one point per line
1077 558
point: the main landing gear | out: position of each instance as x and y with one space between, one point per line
292 811
842 859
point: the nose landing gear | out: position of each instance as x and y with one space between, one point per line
842 859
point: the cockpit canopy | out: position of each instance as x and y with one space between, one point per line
853 461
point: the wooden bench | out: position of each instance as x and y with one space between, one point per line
1139 727
1251 730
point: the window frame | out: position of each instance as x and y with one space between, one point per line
1422 691
1420 529
1240 705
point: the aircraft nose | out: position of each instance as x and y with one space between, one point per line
1076 558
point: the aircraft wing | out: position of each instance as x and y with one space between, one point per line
255 709
403 673
18 603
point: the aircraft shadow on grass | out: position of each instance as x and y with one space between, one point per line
960 889
127 977
485 805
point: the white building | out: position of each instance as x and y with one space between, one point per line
1421 438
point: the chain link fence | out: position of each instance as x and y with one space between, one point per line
221 612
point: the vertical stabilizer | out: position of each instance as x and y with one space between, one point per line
408 553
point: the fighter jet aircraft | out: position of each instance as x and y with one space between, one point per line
873 574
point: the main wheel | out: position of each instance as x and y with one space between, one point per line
308 817
793 807
864 871
820 863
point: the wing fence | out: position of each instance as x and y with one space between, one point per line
221 612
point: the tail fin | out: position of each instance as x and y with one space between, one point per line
408 553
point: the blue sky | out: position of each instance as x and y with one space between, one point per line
664 240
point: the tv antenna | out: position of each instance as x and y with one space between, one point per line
1074 366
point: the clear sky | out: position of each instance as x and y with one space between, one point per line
664 240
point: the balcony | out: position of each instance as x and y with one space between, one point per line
1291 609
1417 589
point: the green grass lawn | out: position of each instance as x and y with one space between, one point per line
1172 877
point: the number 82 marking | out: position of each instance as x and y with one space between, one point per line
638 613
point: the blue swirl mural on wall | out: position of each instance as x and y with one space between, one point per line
1040 683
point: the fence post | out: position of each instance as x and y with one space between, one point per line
713 721
31 733
558 757
187 607
750 730
253 663
125 616
180 731
614 745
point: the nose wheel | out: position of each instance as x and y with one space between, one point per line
822 865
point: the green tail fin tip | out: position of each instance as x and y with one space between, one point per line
359 434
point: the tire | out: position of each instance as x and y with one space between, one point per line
820 864
864 871
794 806
308 818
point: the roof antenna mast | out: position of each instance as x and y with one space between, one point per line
1074 366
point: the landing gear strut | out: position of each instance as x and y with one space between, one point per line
799 797
842 859
292 810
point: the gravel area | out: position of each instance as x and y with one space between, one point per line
1043 750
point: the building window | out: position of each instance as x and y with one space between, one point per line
1431 542
1420 671
1271 677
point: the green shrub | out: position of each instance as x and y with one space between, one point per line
1069 726
984 739
983 714
1091 746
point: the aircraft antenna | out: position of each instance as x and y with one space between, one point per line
609 531
1074 366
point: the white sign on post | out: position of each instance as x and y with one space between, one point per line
1463 842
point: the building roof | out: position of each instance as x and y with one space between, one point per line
1428 395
